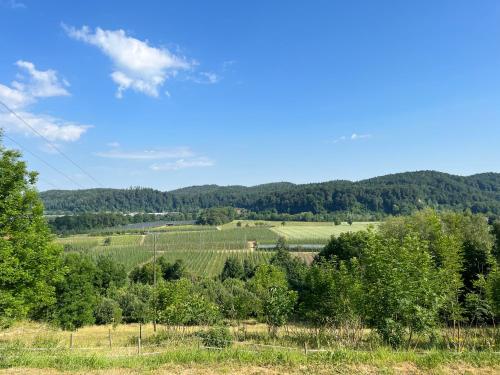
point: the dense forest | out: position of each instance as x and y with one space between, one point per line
394 194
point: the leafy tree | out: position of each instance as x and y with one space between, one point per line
108 311
277 301
238 303
136 302
145 274
216 216
496 233
493 291
346 246
76 296
445 246
179 303
295 269
174 271
109 273
248 269
333 294
29 261
402 288
232 269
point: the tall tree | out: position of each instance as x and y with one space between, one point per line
29 260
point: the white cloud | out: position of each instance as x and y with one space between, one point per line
200 162
26 91
355 136
41 84
177 152
113 144
352 137
136 64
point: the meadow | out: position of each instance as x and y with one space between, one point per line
31 348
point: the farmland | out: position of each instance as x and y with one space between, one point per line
315 233
204 249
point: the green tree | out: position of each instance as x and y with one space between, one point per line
346 246
30 262
107 311
402 289
179 303
276 300
333 295
76 296
233 269
136 302
109 274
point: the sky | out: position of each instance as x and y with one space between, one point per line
171 94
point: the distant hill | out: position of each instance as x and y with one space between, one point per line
390 194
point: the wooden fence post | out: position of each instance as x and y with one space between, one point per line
71 340
139 345
305 348
109 337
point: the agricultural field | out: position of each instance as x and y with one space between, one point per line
316 233
204 249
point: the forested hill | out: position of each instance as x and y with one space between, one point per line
391 194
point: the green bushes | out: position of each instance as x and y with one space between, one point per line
217 337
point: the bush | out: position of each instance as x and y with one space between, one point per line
108 311
217 337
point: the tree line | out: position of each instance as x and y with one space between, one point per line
397 194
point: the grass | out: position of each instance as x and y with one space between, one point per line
33 346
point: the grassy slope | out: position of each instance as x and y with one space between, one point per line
181 353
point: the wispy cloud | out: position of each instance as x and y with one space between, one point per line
12 4
29 87
136 64
352 137
158 154
200 162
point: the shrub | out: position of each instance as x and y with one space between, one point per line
217 337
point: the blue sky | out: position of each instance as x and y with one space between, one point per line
171 94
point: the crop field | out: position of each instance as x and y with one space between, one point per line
315 233
225 239
210 263
204 249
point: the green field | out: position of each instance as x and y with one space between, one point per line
204 249
315 233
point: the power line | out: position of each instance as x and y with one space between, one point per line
43 161
50 143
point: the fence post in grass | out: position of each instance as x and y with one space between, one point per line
71 340
305 348
109 337
139 345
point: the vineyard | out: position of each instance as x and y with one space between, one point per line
204 249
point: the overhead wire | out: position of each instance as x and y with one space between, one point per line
20 118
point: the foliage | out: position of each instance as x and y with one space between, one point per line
402 293
233 269
396 194
277 301
346 246
333 294
108 311
217 337
216 216
76 296
179 303
29 261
